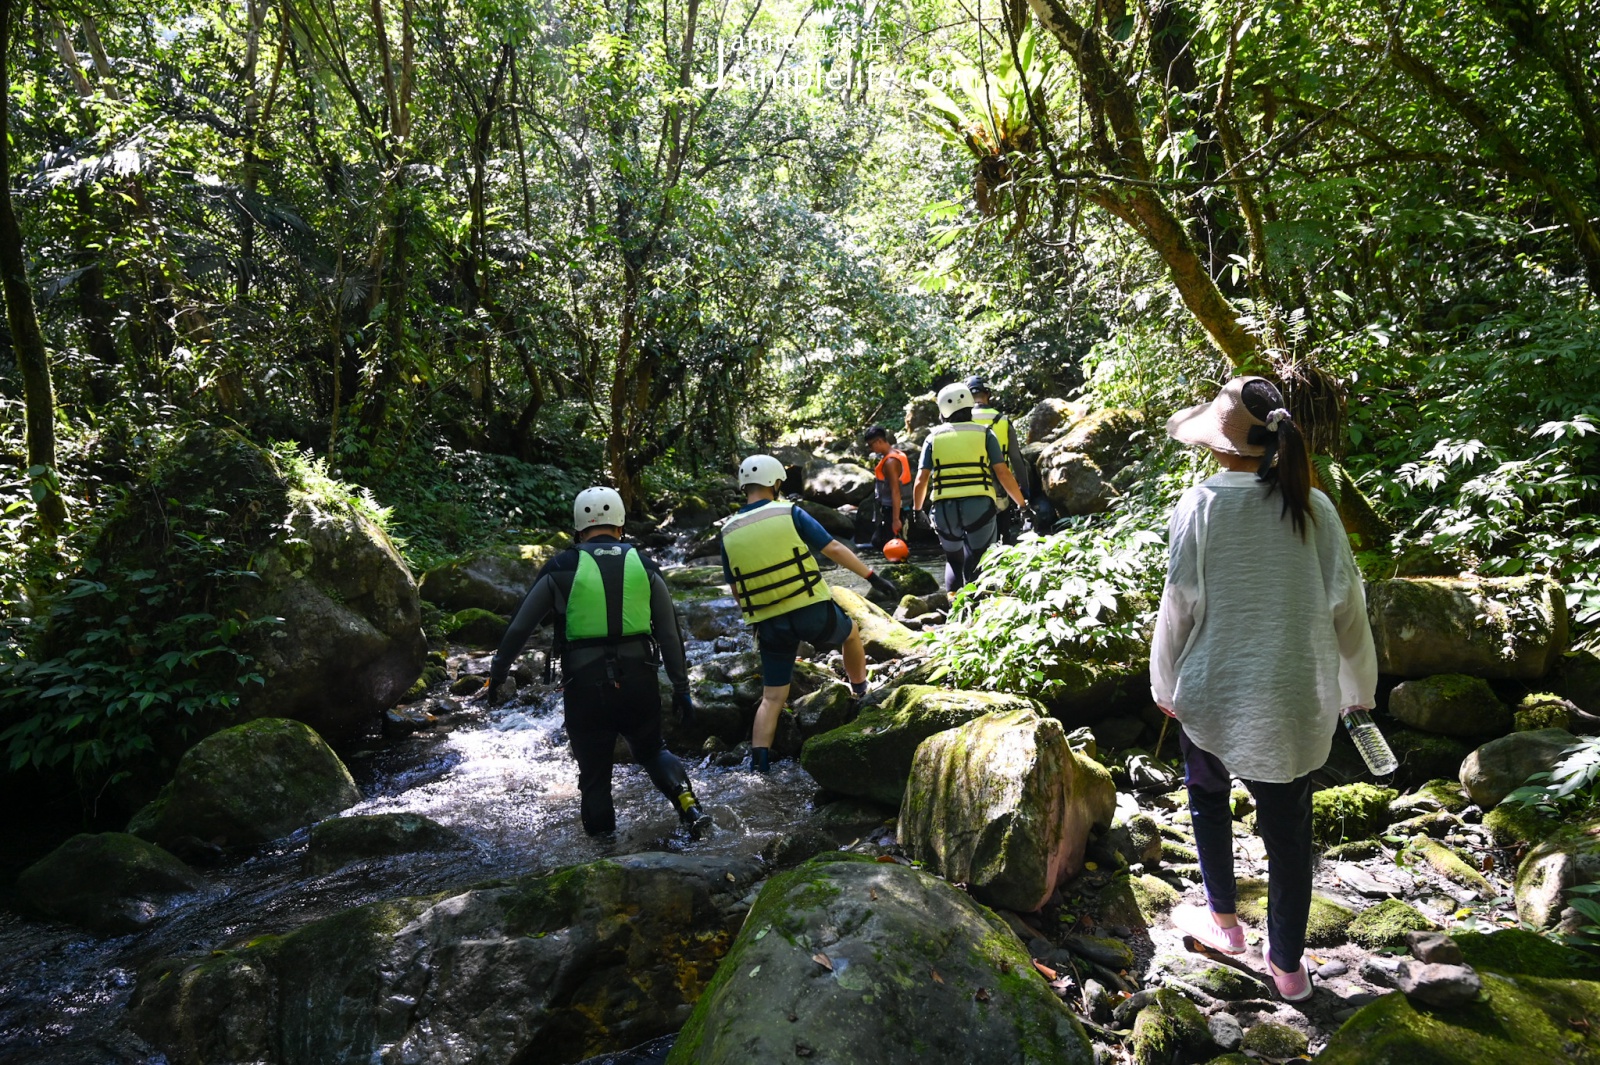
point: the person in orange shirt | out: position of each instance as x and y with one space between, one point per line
892 488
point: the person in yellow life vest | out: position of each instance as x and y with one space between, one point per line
614 627
891 487
961 468
1009 518
768 562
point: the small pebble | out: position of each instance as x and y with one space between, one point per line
1329 969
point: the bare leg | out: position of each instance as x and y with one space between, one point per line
772 700
855 659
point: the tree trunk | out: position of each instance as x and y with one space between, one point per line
33 361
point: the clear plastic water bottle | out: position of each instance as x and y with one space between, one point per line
1369 741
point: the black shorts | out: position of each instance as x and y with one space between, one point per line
823 625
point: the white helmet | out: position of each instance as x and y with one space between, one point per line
764 470
597 506
953 398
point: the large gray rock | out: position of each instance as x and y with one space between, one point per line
493 578
1004 805
710 618
587 960
870 758
1047 417
339 841
882 636
838 524
846 961
248 784
1507 628
1450 705
1072 480
922 412
1501 766
111 883
837 484
1567 859
1108 437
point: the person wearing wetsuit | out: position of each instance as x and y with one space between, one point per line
614 626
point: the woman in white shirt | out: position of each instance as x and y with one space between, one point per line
1261 641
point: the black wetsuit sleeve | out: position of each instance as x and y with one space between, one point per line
536 606
664 624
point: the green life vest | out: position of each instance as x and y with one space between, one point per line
610 597
961 466
773 569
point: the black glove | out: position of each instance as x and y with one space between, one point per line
682 703
883 585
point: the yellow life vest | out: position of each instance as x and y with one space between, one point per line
773 569
961 466
998 423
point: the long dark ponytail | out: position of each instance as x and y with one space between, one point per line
1286 465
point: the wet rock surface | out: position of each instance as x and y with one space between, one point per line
110 883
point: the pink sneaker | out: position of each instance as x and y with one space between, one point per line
1197 922
1292 987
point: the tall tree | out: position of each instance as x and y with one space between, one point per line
33 361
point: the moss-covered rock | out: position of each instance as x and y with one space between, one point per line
1447 863
1568 858
1515 825
911 579
248 784
1386 924
476 628
587 960
1542 710
1004 805
1136 901
841 958
1350 811
882 636
1355 851
1275 1041
1534 991
492 578
870 757
694 577
1447 793
1424 756
1325 927
339 841
110 883
1450 704
1168 1028
1507 628
1501 766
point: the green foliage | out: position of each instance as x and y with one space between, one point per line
1571 789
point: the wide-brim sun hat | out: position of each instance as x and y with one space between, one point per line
1226 422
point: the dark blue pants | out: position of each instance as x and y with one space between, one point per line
1283 821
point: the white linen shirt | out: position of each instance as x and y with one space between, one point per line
1262 637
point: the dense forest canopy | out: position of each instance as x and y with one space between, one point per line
472 255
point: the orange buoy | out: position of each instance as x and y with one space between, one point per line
896 550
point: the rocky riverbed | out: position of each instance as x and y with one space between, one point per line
456 912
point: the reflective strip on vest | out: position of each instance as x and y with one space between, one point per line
961 466
773 569
905 466
610 597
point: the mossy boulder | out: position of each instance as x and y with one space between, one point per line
1273 1041
1505 628
1325 927
911 579
882 636
870 758
1386 924
1515 825
1543 710
588 960
219 527
1004 805
1220 981
492 578
1450 704
1568 858
846 960
1448 793
1136 901
839 483
1533 993
719 616
823 710
1169 1028
475 627
687 578
110 883
1349 811
248 784
1073 482
1447 863
1425 756
1501 766
339 841
727 689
